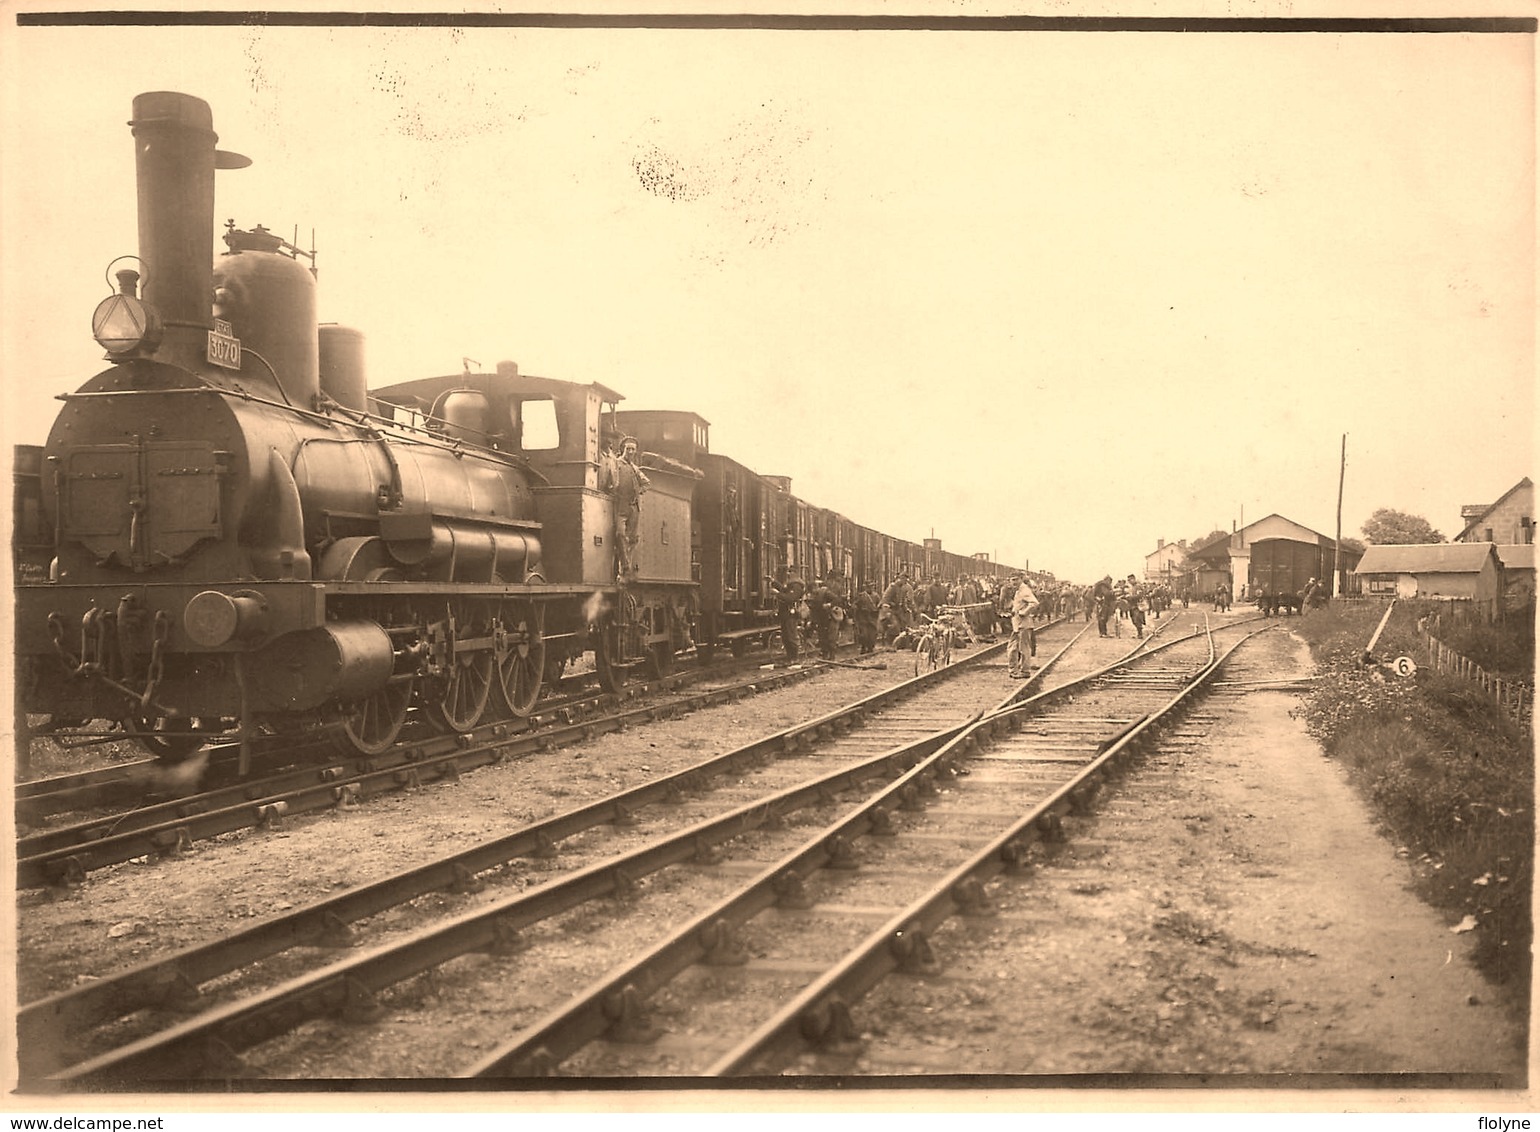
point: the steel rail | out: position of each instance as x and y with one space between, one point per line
47 1028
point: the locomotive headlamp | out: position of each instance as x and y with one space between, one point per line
122 323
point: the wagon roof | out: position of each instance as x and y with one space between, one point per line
1426 558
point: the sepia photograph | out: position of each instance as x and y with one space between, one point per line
954 557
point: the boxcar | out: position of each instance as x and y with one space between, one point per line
1285 566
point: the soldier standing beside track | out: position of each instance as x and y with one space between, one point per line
1308 597
827 602
1106 603
1136 605
788 595
1018 654
939 594
896 598
1222 597
866 619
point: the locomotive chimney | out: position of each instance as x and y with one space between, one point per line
175 159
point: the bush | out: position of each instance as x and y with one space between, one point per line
1507 649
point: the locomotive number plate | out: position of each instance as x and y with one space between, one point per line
224 350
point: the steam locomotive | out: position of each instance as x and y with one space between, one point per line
227 533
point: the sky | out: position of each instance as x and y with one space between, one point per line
1053 296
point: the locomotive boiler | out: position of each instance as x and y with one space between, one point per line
236 536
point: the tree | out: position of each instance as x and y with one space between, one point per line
1399 528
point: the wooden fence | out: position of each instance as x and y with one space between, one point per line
1513 696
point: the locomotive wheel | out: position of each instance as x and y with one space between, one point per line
469 683
169 739
520 655
372 724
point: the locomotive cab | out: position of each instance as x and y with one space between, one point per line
565 433
562 430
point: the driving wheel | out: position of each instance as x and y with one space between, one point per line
371 724
520 655
469 663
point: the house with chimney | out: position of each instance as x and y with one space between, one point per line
1167 564
1509 525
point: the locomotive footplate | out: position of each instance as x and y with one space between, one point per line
292 605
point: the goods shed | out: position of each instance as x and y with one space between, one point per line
1468 571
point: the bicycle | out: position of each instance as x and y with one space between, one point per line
933 645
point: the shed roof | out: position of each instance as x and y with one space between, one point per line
1517 557
1214 548
1425 558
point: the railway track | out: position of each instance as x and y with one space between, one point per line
136 1007
125 784
872 902
311 781
50 1022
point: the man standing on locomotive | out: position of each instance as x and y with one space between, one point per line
628 483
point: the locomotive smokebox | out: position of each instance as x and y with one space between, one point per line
175 160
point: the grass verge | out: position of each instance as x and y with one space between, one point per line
1451 778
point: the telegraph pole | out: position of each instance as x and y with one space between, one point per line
1336 551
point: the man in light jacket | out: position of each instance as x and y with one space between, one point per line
1018 654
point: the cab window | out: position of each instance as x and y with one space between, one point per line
540 428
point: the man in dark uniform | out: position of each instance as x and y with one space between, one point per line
1136 605
827 602
940 593
1106 603
866 619
897 600
788 595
